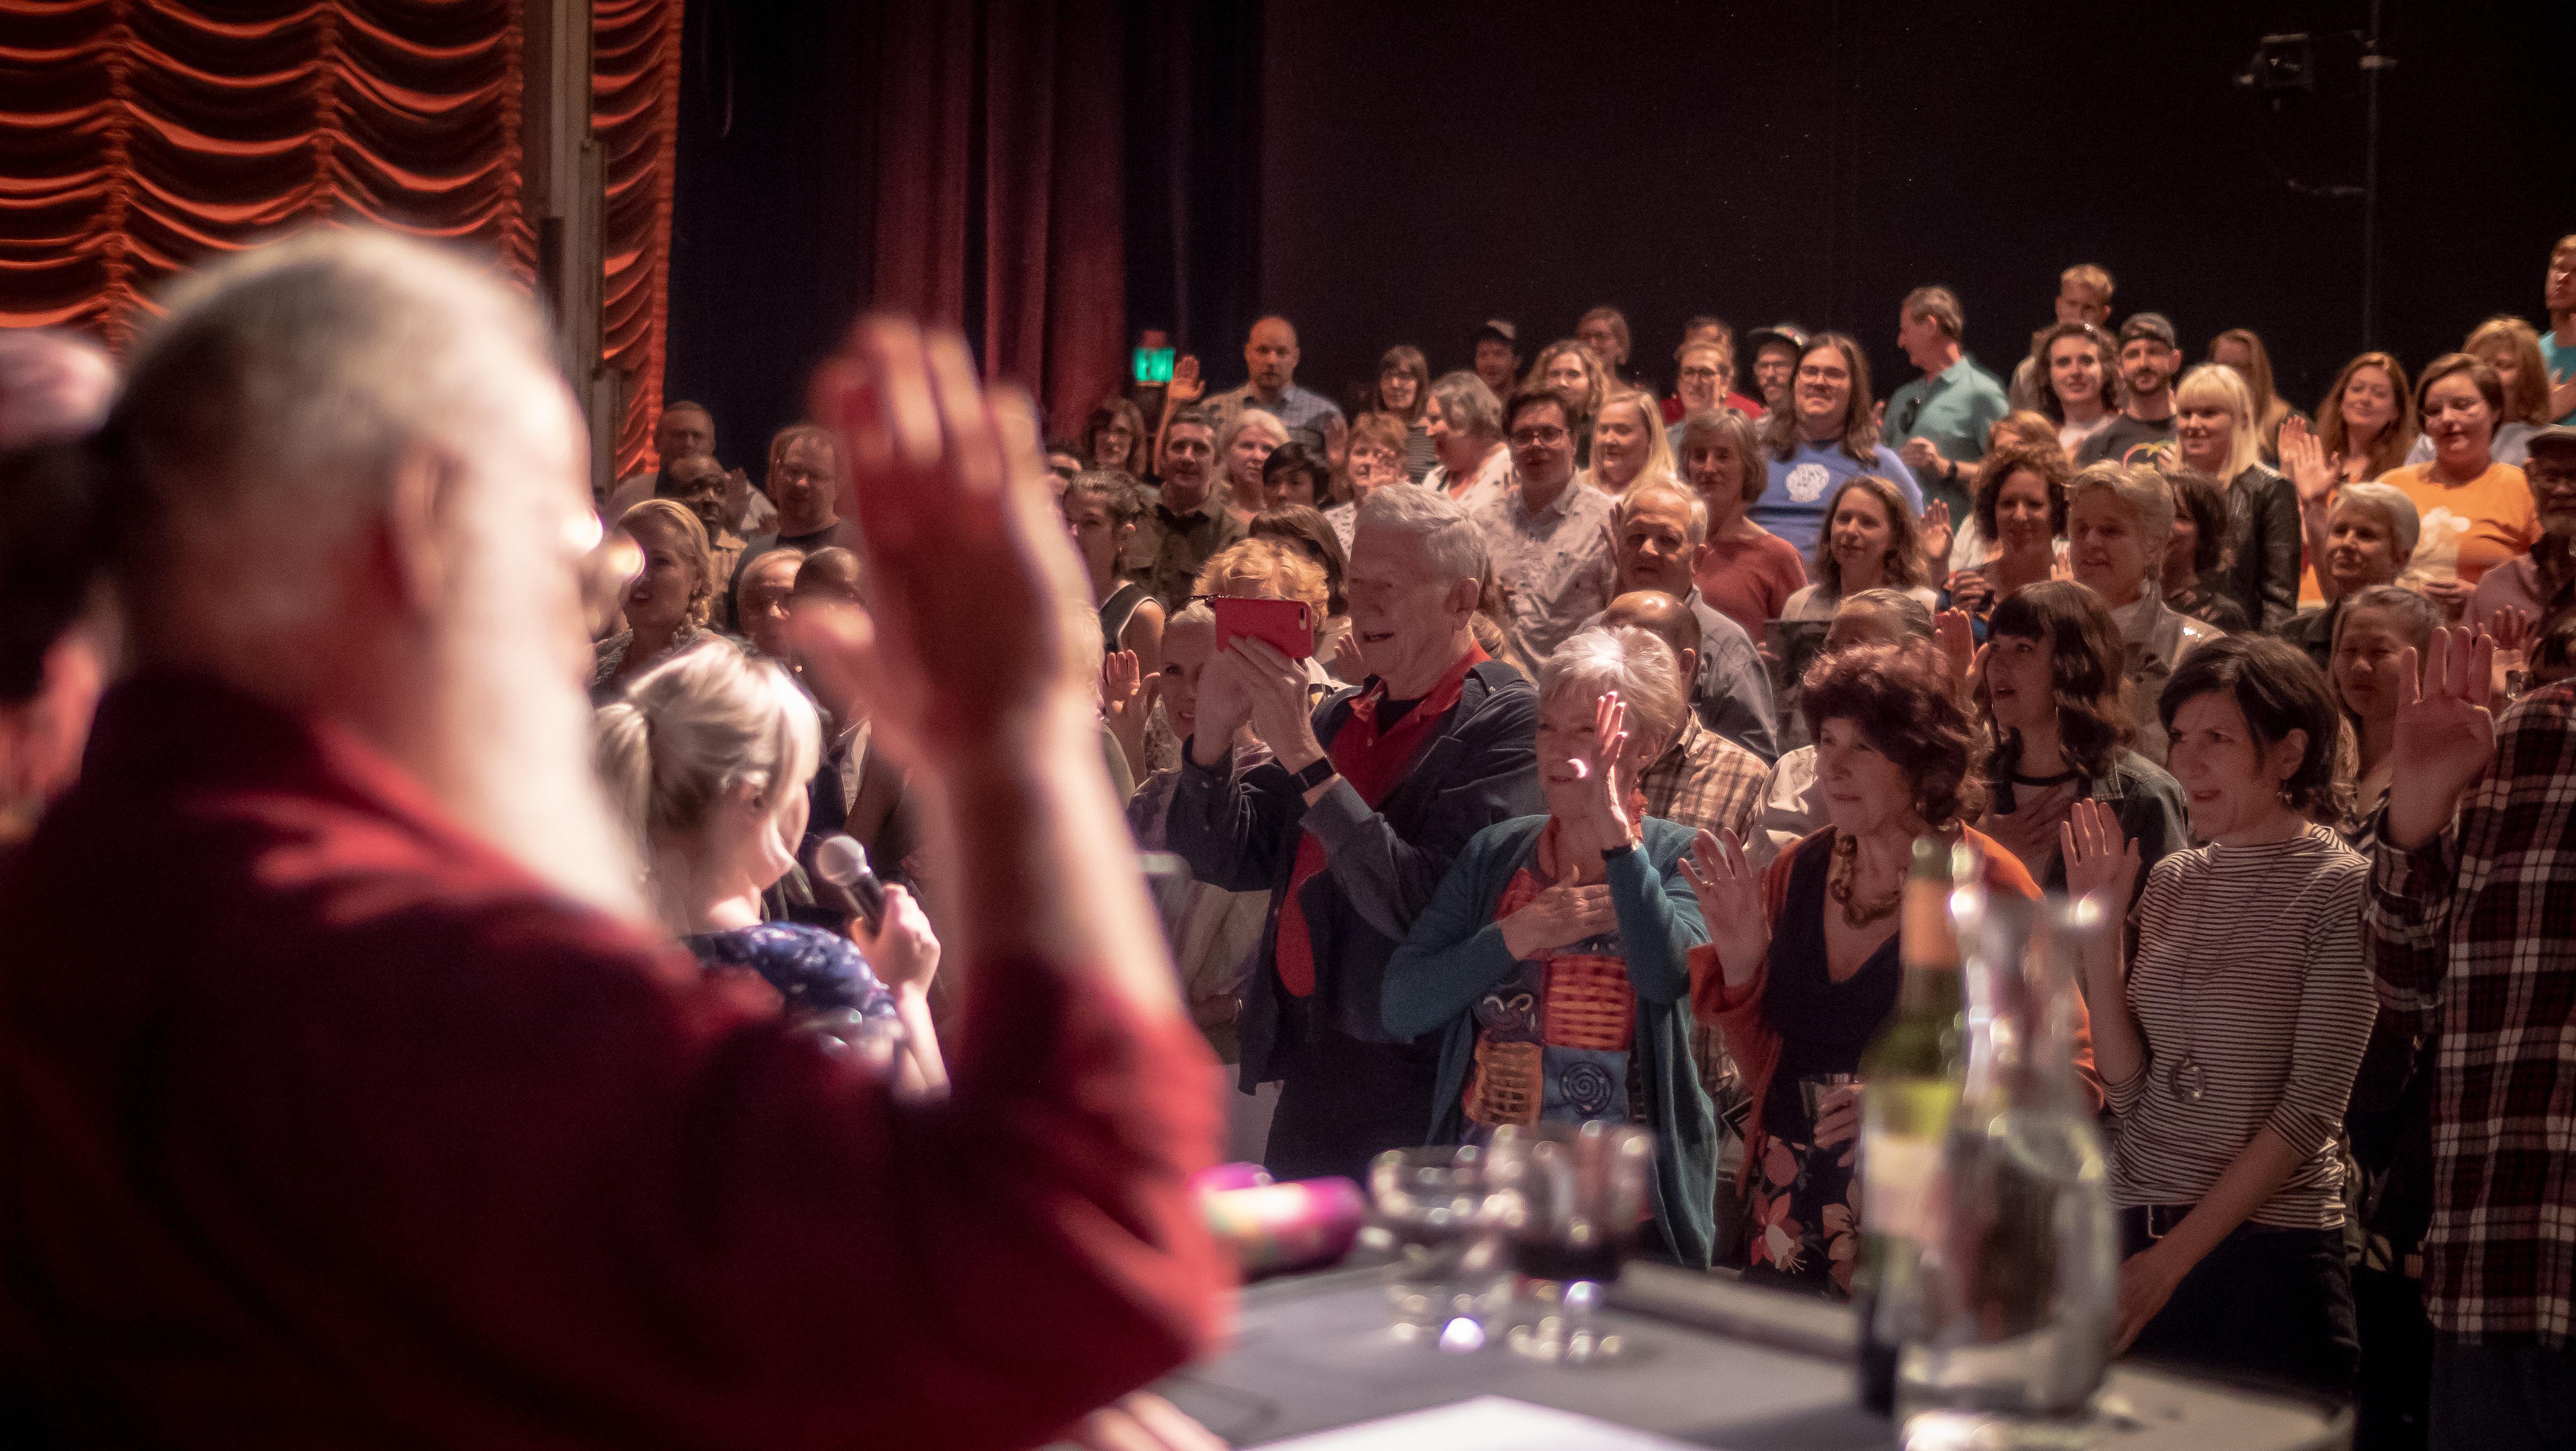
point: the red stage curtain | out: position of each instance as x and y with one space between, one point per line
1000 204
136 136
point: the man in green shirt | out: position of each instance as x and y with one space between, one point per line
1186 525
1937 423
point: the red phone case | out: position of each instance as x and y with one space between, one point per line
1282 623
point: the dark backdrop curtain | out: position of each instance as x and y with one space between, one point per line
1045 175
137 136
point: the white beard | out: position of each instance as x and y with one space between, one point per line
517 712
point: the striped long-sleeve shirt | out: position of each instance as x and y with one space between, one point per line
2479 924
2249 964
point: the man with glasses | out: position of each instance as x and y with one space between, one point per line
1548 537
2542 583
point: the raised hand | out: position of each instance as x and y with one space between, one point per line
2445 737
2510 628
2099 856
1607 775
1729 891
968 564
1938 534
2304 459
1122 679
1971 591
1559 917
1186 385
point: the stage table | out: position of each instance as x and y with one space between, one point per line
1707 1363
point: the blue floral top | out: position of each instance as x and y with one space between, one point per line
819 973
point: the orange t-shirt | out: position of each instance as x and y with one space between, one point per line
2467 528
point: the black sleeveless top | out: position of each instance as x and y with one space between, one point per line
1823 1025
1116 611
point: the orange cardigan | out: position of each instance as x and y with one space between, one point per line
1742 1020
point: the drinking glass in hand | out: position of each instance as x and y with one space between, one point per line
1569 1199
1448 1273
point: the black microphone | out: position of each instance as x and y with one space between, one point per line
840 860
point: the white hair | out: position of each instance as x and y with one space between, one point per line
2404 522
694 728
1451 542
1634 662
1244 421
1667 486
264 415
2140 490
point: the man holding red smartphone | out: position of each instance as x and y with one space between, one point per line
1369 799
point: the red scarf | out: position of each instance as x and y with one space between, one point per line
1372 763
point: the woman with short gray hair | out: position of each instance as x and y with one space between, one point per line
2117 521
2366 536
1552 963
1465 423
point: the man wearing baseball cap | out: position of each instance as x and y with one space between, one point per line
2541 583
1498 355
1774 351
2149 358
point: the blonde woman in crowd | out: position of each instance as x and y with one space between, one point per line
1628 444
669 600
706 756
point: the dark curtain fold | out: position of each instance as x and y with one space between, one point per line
138 136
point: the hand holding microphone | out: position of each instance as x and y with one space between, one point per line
892 929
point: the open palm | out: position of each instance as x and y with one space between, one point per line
2445 735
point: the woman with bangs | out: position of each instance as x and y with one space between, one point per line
2053 691
1744 571
2020 506
2216 431
1403 393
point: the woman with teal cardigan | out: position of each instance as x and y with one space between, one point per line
1553 959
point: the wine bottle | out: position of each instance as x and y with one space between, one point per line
1911 1082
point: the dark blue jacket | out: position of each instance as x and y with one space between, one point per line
1479 767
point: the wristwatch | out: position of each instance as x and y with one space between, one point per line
1317 772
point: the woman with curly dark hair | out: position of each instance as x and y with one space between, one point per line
2017 524
2055 702
2196 549
2229 1042
1801 967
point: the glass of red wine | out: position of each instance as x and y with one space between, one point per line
1569 1198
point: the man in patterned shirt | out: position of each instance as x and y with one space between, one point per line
1547 534
2474 920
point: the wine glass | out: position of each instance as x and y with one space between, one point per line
1569 1198
1448 1272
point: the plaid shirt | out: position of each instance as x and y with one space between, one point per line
2478 926
1705 781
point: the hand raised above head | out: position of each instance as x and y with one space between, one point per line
969 569
2445 737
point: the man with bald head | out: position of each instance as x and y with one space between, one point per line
385 1114
1658 531
1270 357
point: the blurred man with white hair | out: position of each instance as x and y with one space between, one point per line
1366 802
55 645
378 1116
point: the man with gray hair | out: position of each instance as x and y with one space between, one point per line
383 1117
1465 421
1658 529
1368 799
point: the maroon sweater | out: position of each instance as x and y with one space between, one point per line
322 1124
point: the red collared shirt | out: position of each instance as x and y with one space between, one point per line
323 1124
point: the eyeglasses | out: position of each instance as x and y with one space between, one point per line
1538 438
1377 456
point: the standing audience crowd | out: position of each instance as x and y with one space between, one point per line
1526 743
